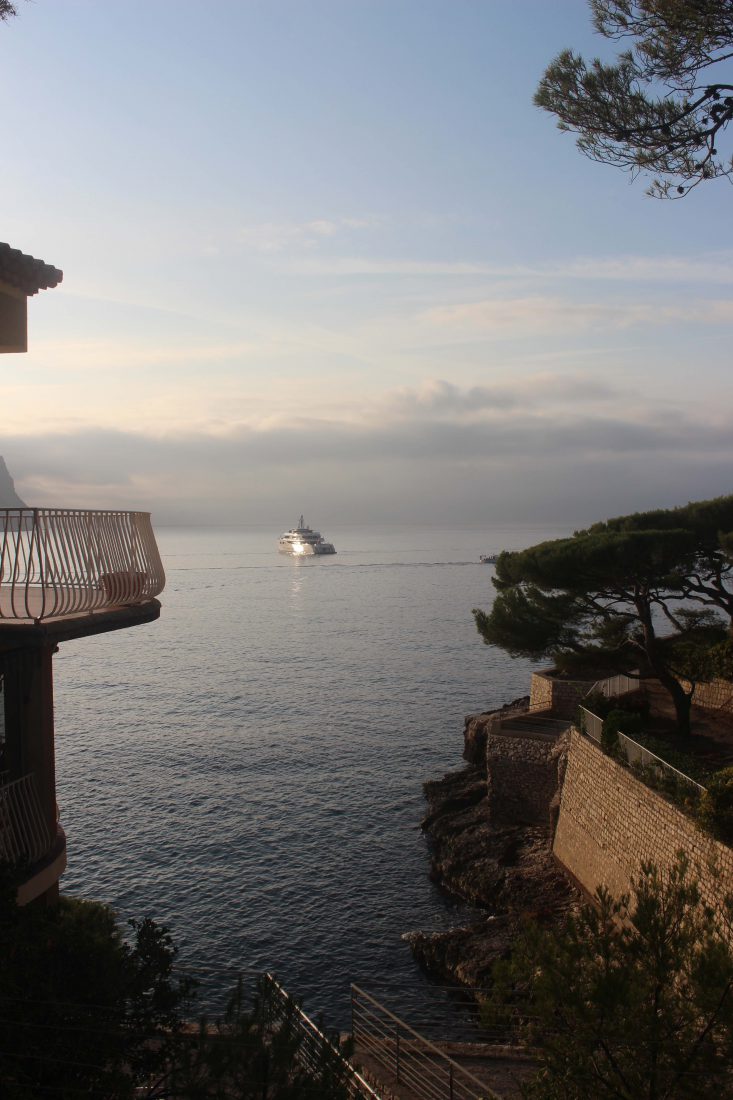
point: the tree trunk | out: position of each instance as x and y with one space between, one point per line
682 699
682 702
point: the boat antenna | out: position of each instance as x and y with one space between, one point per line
301 525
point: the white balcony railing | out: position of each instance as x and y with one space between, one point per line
58 561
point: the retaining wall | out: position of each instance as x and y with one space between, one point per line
609 823
522 776
548 692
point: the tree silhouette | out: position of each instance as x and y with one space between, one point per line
664 106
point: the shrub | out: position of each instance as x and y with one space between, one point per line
684 762
616 722
716 806
630 998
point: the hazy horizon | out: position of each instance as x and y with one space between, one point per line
329 258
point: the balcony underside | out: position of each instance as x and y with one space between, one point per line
44 875
19 633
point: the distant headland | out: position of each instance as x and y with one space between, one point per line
8 496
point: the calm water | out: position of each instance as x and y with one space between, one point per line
248 769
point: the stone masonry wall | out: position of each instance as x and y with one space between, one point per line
562 697
717 695
522 776
609 823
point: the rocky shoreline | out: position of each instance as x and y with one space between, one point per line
506 870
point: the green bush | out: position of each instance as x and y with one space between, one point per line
716 805
616 722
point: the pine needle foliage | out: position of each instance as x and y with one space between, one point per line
664 107
631 999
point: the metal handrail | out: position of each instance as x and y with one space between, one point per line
314 1041
24 834
428 1071
67 561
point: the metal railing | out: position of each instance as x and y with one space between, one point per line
59 561
634 753
409 1057
24 835
314 1042
591 724
530 721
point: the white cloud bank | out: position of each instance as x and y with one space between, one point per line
553 447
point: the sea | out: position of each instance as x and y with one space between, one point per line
248 769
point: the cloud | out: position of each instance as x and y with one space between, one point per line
438 397
437 450
279 237
715 268
566 315
354 265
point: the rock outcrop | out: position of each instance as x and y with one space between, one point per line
507 871
476 729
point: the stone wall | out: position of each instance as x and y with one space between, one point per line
522 776
609 823
549 692
717 695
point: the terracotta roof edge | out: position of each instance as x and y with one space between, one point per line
26 272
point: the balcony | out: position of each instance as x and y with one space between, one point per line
57 564
37 853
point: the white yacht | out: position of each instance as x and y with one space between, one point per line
303 540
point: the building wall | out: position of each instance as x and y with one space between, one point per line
609 823
522 776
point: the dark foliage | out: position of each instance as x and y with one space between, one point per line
259 1051
84 1010
86 1013
716 806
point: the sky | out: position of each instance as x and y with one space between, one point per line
326 256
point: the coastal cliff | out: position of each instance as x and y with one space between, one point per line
492 850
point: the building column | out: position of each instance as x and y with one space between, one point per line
29 727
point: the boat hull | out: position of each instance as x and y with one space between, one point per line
307 551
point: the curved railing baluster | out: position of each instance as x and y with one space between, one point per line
56 562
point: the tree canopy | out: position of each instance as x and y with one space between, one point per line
631 998
650 591
665 104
